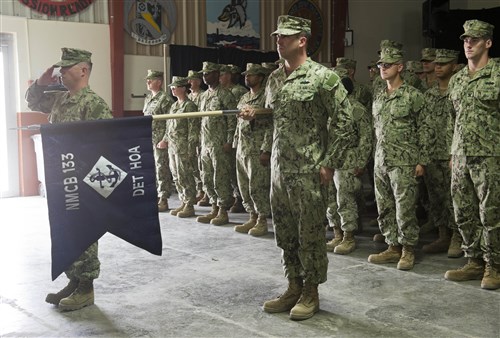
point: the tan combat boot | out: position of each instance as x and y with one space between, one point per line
491 278
245 227
204 202
338 235
222 217
391 255
379 238
208 217
441 244
188 211
455 248
260 229
55 298
348 244
175 211
199 195
287 300
81 297
474 269
407 259
308 303
237 206
163 205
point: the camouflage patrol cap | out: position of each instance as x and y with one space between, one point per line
255 69
477 29
291 25
390 55
446 55
192 74
210 67
372 64
346 63
414 66
341 71
428 54
224 68
72 56
270 66
178 81
154 74
390 43
234 69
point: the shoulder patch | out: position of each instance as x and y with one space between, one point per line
331 82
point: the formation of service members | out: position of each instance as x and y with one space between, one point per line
409 122
442 127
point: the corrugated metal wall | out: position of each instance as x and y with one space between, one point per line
190 24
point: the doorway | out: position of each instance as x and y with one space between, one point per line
9 171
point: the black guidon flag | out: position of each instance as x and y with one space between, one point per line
100 177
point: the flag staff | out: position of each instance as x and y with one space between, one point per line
259 111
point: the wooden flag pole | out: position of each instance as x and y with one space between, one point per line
260 111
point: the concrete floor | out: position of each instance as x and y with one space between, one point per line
212 281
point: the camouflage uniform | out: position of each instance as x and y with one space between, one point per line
312 128
475 153
215 132
84 105
401 133
252 138
361 93
194 156
440 114
182 136
156 105
343 209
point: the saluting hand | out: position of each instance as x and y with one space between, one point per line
47 78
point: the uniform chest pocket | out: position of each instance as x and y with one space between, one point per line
400 109
488 91
299 92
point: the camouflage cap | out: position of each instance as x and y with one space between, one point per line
270 66
341 71
234 69
477 29
446 55
346 63
224 68
178 81
154 74
209 67
372 64
428 54
414 66
192 74
255 69
390 55
390 43
72 56
290 25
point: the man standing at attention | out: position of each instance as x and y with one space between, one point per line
312 129
400 156
158 102
217 135
78 103
441 115
475 150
